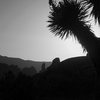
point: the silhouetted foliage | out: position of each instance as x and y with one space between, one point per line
14 88
14 84
4 68
30 71
59 82
95 6
69 17
70 79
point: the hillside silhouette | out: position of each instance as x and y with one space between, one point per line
22 63
72 79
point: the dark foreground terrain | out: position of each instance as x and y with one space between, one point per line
72 79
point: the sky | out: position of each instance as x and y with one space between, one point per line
24 32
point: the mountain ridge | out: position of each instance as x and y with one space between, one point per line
21 63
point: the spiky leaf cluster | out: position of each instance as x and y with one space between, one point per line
95 5
66 16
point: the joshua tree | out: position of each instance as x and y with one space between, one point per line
68 17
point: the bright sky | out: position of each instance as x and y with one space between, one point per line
24 33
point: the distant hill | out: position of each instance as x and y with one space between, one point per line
23 63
